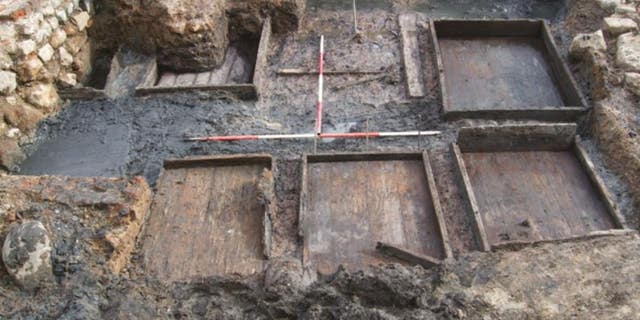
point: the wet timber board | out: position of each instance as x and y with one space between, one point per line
492 73
534 196
351 202
206 219
503 68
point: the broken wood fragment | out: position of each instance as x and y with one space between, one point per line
407 256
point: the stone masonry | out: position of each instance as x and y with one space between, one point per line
44 44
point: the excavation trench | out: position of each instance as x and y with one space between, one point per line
321 215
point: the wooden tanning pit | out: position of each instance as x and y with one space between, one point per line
363 209
241 74
210 216
503 69
527 184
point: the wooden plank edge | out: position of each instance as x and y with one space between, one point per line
558 114
83 93
261 66
302 211
406 255
604 192
439 68
569 86
488 27
407 33
435 199
151 77
219 160
470 197
246 91
362 156
268 211
518 245
517 137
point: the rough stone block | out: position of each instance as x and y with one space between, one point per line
29 69
585 43
632 79
43 96
26 254
58 37
8 82
618 25
628 56
46 52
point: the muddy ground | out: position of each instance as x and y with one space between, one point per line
133 135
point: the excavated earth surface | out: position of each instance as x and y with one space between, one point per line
590 279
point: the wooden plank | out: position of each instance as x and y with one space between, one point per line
242 91
185 79
411 55
151 75
488 28
206 221
218 160
471 198
498 73
437 207
566 82
83 93
557 114
519 137
440 66
302 212
167 79
361 156
407 256
548 188
347 207
262 63
599 184
266 194
518 245
202 78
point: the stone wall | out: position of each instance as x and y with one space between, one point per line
44 45
610 59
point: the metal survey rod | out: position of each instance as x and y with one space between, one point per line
343 135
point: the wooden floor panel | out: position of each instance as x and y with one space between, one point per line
531 196
498 73
354 204
205 221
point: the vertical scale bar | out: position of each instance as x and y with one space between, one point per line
320 86
320 89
